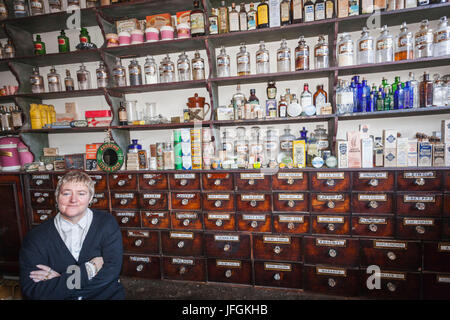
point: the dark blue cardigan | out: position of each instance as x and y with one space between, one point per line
44 245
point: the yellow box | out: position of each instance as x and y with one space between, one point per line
299 153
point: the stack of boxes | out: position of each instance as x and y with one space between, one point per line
445 138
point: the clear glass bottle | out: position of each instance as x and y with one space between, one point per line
366 48
306 98
8 50
20 8
37 7
83 78
439 91
3 10
282 107
414 88
223 18
262 59
55 5
120 79
151 71
54 80
271 144
251 17
36 81
135 73
321 57
223 63
255 147
385 46
102 75
243 61
198 67
228 146
302 55
243 21
404 44
442 38
183 67
283 57
238 102
166 70
423 41
233 18
345 51
68 81
241 148
286 146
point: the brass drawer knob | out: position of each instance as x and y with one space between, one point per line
331 204
123 202
139 268
331 282
373 227
183 182
277 276
291 225
391 256
420 229
138 243
251 182
184 202
228 273
277 249
419 181
152 202
331 227
180 244
155 221
253 203
373 182
43 217
291 203
121 183
290 181
217 203
39 182
124 220
391 287
40 199
151 182
373 204
330 182
254 224
420 206
217 182
332 253
183 270
186 222
226 247
219 222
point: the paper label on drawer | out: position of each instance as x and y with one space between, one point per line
96 177
217 176
182 261
373 175
414 175
418 222
184 176
213 216
124 196
41 177
152 196
331 271
328 219
372 221
393 275
247 176
185 195
38 194
125 214
250 197
444 246
253 217
140 259
226 238
330 175
296 219
328 197
409 198
443 279
228 263
150 176
372 197
331 243
136 233
290 175
277 266
218 196
44 211
390 244
158 214
181 235
99 195
186 215
279 240
290 196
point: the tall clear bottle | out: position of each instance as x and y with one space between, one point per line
83 78
54 80
150 70
414 88
102 75
284 57
404 44
183 67
321 54
366 48
262 59
68 81
223 63
286 145
135 73
243 61
241 148
423 41
439 91
233 18
345 51
243 21
271 148
120 79
302 55
238 102
442 38
198 67
166 70
37 7
385 46
20 8
36 81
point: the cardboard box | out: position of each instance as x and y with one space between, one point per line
50 151
445 132
184 17
367 152
439 155
159 20
127 25
299 153
425 154
412 153
354 149
390 157
390 139
402 152
364 129
274 13
447 154
342 153
65 117
71 107
91 156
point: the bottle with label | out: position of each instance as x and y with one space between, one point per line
252 17
4 119
319 10
36 81
342 8
297 11
3 10
238 102
380 5
283 57
423 41
285 12
282 107
353 7
399 97
385 46
404 44
213 22
241 148
166 70
367 6
426 91
37 7
55 5
223 63
414 88
233 18
308 8
198 67
399 4
16 117
54 80
197 19
63 42
8 50
302 55
366 48
223 18
321 59
169 157
442 38
68 81
243 61
123 120
408 96
391 4
183 67
20 8
39 46
329 9
102 75
151 71
255 148
439 91
271 90
320 98
271 148
253 102
83 78
345 51
263 14
262 59
120 79
84 36
243 21
410 3
306 98
286 146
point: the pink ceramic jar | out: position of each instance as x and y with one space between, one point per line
166 33
151 34
124 38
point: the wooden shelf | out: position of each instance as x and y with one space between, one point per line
304 119
65 130
63 94
192 84
395 113
164 126
54 59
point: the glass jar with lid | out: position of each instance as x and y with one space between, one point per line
255 148
404 44
243 61
37 7
151 71
366 48
54 80
20 8
320 133
286 146
183 67
36 81
167 70
424 41
442 38
198 67
302 55
271 148
385 46
262 59
321 59
283 57
83 78
135 73
223 63
120 79
241 147
345 51
102 76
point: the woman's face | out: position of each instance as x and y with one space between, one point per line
73 200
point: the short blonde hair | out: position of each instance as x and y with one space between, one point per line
76 177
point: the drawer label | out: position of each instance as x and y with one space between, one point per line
41 177
186 215
291 196
443 279
290 175
390 244
250 197
414 175
393 275
182 235
330 219
184 176
136 233
140 259
39 194
372 220
372 197
279 240
328 197
217 176
150 176
254 217
44 211
157 214
331 243
152 196
409 198
99 195
182 261
124 196
185 195
213 216
373 175
444 246
330 175
277 266
218 196
418 222
96 177
331 271
226 238
297 219
247 176
228 263
125 214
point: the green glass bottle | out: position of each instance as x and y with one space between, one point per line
396 83
380 99
387 98
84 36
39 46
384 83
63 42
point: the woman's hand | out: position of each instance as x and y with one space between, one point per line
97 262
44 273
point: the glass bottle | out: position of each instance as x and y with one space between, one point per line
262 59
319 10
308 11
198 67
346 51
84 36
251 17
283 57
302 55
285 12
102 76
55 6
414 87
73 4
439 92
233 18
123 119
223 63
39 46
5 120
321 59
271 148
404 44
3 10
366 48
166 70
329 9
20 8
255 148
271 90
8 50
286 146
282 107
151 71
263 14
83 78
17 118
297 11
54 80
399 97
353 7
213 22
243 21
408 96
426 91
243 61
255 111
183 67
37 7
399 4
68 81
241 148
442 38
306 98
120 79
63 42
36 81
1 51
423 41
385 46
197 19
223 18
238 102
380 99
320 98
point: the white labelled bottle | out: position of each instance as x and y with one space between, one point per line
183 67
54 81
223 63
423 41
167 70
262 59
439 92
83 78
442 38
283 57
271 147
198 67
385 46
366 48
37 81
321 53
404 44
243 61
102 76
150 71
120 79
414 84
346 51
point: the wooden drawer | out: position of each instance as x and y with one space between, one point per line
436 286
254 222
140 241
447 205
184 268
218 201
446 229
186 200
330 181
155 220
290 223
330 224
330 202
391 254
100 200
373 226
392 285
254 202
419 204
290 201
127 219
42 215
372 203
335 251
153 181
123 181
124 200
41 181
373 181
253 181
182 243
220 221
227 245
436 256
230 271
147 267
419 180
100 181
184 181
331 280
153 200
277 247
278 274
45 199
292 181
187 220
447 180
419 228
217 181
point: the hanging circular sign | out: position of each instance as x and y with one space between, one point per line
110 157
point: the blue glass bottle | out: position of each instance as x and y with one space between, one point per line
134 147
363 96
399 97
354 88
371 106
407 96
304 136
